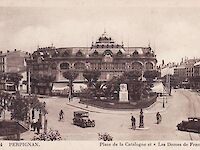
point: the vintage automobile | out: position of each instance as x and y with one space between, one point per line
81 118
192 125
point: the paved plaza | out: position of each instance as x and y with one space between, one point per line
117 123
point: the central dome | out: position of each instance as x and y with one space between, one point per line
104 42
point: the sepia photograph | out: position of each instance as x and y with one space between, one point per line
89 70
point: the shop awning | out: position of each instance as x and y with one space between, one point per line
60 86
9 84
79 87
159 88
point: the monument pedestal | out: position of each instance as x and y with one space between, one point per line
123 97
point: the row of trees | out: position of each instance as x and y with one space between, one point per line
111 88
42 83
97 87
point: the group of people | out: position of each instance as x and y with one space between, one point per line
133 120
36 125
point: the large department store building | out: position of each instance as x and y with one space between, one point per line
110 58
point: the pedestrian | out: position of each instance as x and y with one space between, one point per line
38 126
133 121
33 113
33 125
158 117
44 104
61 115
1 110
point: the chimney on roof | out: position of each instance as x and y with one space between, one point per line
1 52
15 50
181 60
163 62
8 51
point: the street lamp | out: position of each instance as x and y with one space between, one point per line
163 102
141 125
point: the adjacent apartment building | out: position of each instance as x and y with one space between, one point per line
12 62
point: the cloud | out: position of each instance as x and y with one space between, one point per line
172 32
178 39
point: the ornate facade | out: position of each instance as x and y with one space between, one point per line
105 55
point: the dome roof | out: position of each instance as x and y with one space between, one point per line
104 38
104 42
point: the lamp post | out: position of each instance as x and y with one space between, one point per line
163 102
141 125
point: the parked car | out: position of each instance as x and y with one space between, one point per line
81 118
192 125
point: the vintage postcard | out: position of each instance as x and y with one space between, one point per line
89 74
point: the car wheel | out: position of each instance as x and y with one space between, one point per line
93 124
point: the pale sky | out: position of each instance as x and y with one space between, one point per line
171 27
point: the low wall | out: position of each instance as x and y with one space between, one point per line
116 105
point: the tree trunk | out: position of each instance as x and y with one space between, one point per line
71 89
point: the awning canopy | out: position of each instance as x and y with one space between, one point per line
166 71
159 88
79 86
9 84
60 86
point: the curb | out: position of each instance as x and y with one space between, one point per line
118 113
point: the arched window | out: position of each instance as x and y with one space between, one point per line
107 52
64 66
135 53
136 66
119 53
79 65
149 66
79 54
95 53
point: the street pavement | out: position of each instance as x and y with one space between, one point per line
182 104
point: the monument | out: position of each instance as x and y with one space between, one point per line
123 94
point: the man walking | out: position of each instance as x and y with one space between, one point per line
158 117
61 115
38 126
33 125
133 120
